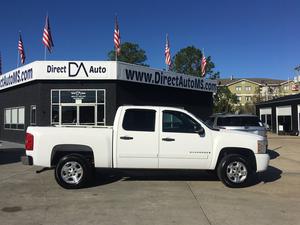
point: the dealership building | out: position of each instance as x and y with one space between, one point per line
281 114
88 93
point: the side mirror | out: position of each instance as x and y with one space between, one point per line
201 131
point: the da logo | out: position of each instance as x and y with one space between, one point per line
75 69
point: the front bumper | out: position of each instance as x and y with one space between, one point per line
27 160
262 162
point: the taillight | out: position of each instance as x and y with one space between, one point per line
29 140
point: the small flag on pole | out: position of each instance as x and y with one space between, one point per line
21 49
117 38
167 52
203 65
47 37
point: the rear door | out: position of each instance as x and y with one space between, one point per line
137 139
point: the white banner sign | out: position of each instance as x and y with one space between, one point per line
102 70
146 75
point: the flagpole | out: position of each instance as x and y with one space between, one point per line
116 24
18 56
45 53
45 50
165 52
202 75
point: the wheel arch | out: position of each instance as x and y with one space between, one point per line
62 150
247 153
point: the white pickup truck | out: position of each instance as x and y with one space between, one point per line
146 137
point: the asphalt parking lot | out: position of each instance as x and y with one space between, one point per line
27 197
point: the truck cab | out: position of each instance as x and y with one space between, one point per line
157 137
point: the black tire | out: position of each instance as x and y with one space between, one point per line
231 171
73 171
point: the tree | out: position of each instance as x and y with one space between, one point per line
248 108
257 98
224 100
188 61
130 53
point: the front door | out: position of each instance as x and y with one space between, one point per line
137 139
181 145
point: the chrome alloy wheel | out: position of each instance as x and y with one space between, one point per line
72 172
236 172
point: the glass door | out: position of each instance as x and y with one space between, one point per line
78 114
87 115
68 115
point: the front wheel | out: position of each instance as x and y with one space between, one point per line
72 171
234 171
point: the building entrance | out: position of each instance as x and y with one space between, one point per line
78 107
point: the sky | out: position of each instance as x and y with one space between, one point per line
254 38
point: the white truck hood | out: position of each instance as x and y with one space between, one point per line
236 139
242 133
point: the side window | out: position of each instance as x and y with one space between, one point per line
174 121
139 120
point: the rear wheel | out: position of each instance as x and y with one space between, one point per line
73 171
234 171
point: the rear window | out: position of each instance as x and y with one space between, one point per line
139 120
239 121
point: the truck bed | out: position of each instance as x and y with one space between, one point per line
49 138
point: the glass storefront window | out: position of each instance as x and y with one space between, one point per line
78 107
87 115
100 114
55 114
55 97
69 114
100 96
68 96
90 97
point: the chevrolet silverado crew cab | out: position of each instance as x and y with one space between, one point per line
146 137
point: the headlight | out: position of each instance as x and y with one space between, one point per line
261 146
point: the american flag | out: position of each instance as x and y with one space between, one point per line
21 49
47 37
117 37
203 65
167 52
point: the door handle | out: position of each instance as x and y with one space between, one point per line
168 139
126 138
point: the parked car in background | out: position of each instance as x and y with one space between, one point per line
241 122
